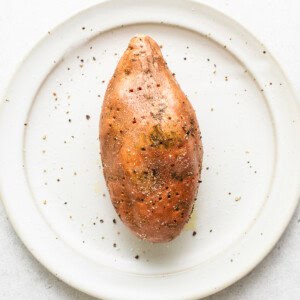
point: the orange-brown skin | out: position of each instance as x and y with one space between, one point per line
150 144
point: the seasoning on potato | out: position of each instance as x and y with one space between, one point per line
150 144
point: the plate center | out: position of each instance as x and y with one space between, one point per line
64 167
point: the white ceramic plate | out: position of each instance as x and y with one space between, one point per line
51 178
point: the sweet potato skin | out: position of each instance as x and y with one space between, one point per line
150 144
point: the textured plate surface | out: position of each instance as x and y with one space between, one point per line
51 178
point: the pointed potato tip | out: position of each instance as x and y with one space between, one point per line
141 40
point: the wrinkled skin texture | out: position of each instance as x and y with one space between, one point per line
150 144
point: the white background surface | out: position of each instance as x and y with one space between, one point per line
23 23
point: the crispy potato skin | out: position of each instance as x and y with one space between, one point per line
150 144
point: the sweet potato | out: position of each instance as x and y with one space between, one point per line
150 144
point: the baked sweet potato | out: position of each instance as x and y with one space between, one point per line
150 144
